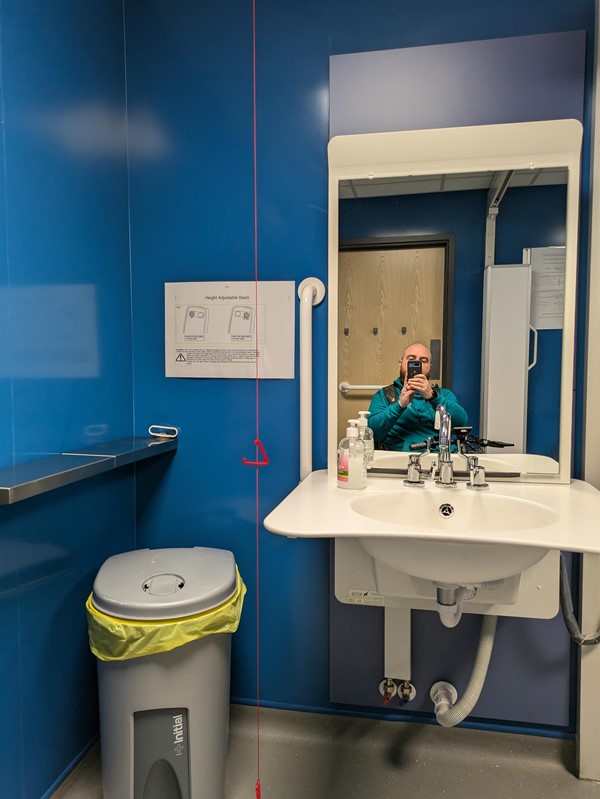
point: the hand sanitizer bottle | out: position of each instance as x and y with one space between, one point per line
365 432
351 468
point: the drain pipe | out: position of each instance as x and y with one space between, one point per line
450 603
448 711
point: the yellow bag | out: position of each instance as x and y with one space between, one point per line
122 639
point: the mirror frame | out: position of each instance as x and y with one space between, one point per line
522 145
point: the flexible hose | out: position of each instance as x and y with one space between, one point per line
566 606
459 712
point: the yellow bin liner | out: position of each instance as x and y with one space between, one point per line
123 639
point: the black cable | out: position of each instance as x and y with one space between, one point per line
566 606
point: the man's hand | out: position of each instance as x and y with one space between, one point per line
409 389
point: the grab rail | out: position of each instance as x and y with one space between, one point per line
344 388
311 292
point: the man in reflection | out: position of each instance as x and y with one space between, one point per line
403 413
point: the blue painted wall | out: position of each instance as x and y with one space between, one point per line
190 70
65 244
65 365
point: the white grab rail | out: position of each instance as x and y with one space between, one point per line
344 388
535 347
311 292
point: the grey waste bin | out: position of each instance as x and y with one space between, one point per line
164 717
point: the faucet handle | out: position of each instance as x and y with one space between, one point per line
476 473
415 473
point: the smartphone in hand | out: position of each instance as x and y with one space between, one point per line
413 368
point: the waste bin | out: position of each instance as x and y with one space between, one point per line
160 624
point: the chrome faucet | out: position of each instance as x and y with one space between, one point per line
443 423
415 473
476 470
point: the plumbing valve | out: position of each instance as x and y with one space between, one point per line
406 691
388 689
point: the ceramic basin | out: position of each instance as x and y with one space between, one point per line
454 512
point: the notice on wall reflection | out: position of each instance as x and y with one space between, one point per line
220 329
54 331
547 286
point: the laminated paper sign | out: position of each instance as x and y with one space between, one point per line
547 286
217 329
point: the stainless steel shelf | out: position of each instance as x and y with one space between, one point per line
38 476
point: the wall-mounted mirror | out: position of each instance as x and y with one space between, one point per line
464 239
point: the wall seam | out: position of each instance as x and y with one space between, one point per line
21 731
127 166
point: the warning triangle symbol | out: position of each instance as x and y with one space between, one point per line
180 357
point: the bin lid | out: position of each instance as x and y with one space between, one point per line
164 583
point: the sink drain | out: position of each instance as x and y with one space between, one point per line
446 510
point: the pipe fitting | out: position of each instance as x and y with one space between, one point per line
450 603
443 695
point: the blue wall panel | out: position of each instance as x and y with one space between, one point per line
189 76
67 233
466 83
65 365
6 440
357 27
11 727
192 219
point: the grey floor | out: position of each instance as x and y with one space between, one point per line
305 755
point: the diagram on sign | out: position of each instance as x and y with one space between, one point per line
196 322
219 324
241 323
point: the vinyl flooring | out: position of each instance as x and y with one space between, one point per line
312 756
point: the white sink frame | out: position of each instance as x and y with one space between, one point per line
317 508
532 594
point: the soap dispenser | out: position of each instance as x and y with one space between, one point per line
365 432
351 467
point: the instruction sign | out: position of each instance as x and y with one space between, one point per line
547 286
220 329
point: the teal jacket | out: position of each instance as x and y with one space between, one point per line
397 428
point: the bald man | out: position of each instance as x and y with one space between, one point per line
403 413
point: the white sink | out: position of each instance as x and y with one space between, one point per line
453 512
492 534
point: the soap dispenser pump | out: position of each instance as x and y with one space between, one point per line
365 432
351 467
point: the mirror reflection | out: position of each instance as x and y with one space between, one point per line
467 270
403 414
